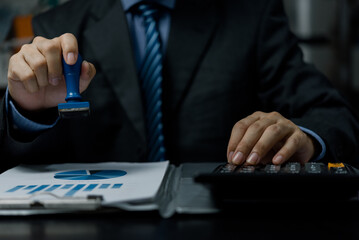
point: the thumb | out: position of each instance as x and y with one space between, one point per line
88 71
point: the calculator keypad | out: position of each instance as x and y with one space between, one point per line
287 168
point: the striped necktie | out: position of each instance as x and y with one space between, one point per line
151 81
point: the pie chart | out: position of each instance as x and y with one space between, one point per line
89 174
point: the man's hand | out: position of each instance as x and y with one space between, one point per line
35 77
268 137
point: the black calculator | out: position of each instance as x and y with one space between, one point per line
290 182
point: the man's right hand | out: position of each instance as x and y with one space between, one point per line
35 78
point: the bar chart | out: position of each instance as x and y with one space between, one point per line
66 190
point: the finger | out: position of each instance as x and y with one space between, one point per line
14 67
237 134
289 148
88 72
37 62
51 50
250 138
69 48
271 137
20 72
27 77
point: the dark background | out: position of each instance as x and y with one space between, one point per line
329 34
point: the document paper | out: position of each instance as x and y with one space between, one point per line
116 182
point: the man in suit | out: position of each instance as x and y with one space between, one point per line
234 87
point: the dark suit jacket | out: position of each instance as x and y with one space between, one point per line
225 59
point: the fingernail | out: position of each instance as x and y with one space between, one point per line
71 58
230 155
278 159
253 159
237 158
54 81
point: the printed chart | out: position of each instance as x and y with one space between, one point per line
69 190
115 182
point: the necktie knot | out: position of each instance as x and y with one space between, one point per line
149 11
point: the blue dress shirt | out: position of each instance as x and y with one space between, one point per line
137 31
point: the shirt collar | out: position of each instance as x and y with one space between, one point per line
127 4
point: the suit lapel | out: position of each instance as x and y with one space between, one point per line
193 25
109 40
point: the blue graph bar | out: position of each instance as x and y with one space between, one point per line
42 187
90 187
30 187
116 186
67 186
52 188
15 188
104 186
74 190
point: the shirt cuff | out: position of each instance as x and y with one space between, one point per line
320 141
19 122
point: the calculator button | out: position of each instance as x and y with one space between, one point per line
246 169
313 168
338 170
270 168
335 165
228 168
292 167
